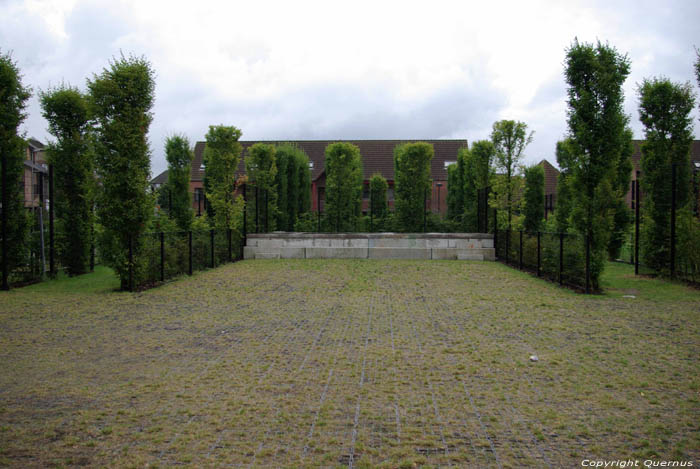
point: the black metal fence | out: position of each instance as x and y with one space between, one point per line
559 257
164 255
681 252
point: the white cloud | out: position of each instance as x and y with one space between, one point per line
347 70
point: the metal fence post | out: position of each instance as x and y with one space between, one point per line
520 253
230 254
636 226
257 211
371 210
189 233
495 242
162 256
539 253
588 264
508 246
245 214
211 233
561 258
425 214
4 223
130 240
318 207
267 213
673 219
52 246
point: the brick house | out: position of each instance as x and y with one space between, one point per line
551 174
35 181
377 157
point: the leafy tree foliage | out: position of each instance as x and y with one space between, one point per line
562 212
476 176
262 171
179 155
221 157
121 98
412 183
664 110
293 182
455 191
598 141
377 189
343 185
509 139
14 222
72 156
533 198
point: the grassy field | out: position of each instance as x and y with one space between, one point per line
349 363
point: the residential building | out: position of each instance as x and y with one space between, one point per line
35 181
377 157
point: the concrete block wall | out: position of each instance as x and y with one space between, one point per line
439 246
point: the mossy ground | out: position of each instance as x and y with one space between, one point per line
348 363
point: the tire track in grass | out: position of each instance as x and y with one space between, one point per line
491 440
289 339
324 393
351 460
298 327
438 418
237 341
515 414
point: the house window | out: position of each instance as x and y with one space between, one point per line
311 165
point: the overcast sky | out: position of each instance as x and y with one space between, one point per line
347 70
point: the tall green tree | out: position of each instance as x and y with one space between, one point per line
221 157
179 155
509 138
533 198
72 156
343 185
293 183
598 141
14 222
455 192
562 211
477 163
262 171
378 186
664 109
121 98
412 183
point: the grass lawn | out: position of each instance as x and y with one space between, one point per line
349 363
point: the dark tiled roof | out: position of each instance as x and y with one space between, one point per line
36 144
637 155
377 155
551 175
162 178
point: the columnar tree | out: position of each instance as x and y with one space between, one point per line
293 184
509 139
262 170
476 176
599 141
72 157
562 212
377 189
343 185
179 154
533 199
221 157
412 182
455 192
14 221
121 98
664 109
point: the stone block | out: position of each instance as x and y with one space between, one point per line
336 253
399 253
267 255
444 254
